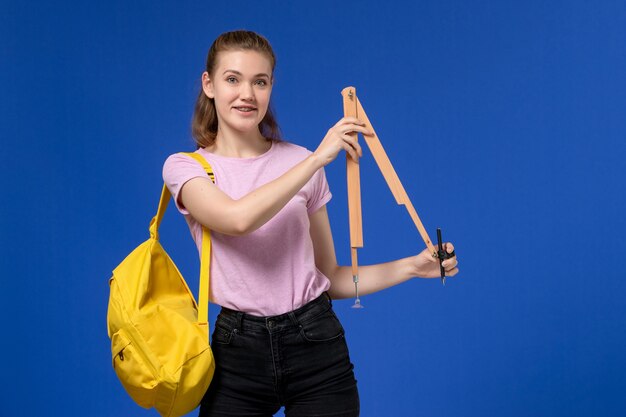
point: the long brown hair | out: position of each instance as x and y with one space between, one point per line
204 121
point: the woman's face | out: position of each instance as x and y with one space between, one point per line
241 87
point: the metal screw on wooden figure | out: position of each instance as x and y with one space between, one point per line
352 108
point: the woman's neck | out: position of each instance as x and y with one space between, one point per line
239 146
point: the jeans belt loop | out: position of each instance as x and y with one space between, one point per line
239 325
293 318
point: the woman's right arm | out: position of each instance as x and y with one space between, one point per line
214 209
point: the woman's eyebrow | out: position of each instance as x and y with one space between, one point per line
261 74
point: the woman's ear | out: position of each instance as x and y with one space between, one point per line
207 85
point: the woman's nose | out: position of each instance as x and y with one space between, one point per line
246 92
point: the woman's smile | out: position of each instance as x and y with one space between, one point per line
246 110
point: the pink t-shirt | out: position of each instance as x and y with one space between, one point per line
271 270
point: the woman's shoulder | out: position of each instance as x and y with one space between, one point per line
178 158
288 147
178 163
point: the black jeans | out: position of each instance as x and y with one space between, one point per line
298 359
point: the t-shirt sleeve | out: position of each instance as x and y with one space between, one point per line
320 192
177 170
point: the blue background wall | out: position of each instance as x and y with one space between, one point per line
505 121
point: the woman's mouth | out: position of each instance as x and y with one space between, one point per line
245 109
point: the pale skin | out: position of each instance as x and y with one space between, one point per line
241 87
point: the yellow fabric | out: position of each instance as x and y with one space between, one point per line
203 312
159 334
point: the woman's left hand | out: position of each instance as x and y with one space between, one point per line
426 266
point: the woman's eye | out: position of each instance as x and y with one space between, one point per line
231 80
262 83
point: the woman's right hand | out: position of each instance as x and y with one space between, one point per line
339 137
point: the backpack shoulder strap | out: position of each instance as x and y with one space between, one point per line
156 220
205 259
203 162
166 195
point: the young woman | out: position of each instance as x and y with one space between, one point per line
276 341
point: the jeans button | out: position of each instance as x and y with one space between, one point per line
270 324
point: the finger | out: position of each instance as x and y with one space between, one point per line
364 131
353 143
349 119
450 263
352 153
348 146
449 247
452 272
352 127
351 132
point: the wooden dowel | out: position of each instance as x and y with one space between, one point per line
355 262
353 176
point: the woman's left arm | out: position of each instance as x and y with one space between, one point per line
372 278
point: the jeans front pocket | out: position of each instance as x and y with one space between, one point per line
323 328
223 334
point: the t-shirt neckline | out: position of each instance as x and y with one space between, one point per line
236 159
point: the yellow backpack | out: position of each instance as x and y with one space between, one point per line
159 335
